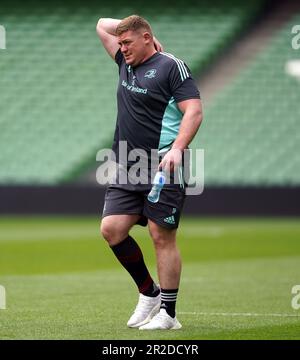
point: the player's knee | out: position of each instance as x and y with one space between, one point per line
106 231
112 233
162 239
158 239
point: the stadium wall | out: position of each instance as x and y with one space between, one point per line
220 201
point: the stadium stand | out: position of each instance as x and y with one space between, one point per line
251 130
57 103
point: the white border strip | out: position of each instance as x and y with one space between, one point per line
236 314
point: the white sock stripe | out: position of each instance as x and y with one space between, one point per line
169 300
182 69
173 294
168 294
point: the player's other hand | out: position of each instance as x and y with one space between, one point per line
158 46
171 160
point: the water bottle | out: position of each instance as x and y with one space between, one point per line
158 183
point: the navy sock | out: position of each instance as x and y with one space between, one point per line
168 300
130 256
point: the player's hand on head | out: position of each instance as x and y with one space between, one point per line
171 160
158 46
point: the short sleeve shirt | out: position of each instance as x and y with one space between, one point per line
148 115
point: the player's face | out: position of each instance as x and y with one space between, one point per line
133 47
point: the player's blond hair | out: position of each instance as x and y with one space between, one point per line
133 23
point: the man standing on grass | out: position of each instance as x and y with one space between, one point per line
159 108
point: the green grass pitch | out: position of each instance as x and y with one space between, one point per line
63 282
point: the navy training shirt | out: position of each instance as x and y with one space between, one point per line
148 115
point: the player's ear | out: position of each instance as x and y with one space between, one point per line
147 37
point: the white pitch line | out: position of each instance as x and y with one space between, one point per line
237 314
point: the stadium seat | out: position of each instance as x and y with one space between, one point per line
58 86
251 130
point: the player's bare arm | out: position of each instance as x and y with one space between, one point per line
106 30
158 46
191 121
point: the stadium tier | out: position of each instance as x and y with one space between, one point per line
57 103
251 130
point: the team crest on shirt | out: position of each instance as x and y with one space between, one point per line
150 74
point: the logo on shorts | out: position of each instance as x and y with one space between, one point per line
170 220
150 73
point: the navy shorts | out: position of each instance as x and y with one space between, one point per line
166 212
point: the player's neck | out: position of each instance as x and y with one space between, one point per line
150 53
